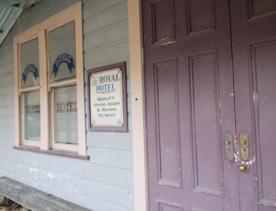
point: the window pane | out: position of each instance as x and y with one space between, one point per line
62 47
29 63
65 115
32 116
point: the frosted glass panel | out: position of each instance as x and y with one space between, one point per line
65 115
62 47
29 63
32 116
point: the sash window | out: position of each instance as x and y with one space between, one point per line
50 85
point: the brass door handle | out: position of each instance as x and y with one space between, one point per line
243 167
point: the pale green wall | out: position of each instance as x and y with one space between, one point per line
105 182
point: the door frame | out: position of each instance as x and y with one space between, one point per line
137 105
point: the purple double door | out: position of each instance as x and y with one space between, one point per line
210 83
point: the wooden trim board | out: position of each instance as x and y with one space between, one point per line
137 105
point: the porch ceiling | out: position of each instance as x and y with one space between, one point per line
10 10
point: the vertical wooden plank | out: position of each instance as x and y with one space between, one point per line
16 96
80 80
44 104
138 106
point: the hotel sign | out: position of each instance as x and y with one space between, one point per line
107 88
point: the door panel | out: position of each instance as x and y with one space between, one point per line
205 125
163 21
168 138
254 60
264 58
257 7
189 105
206 19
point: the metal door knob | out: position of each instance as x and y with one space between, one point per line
243 167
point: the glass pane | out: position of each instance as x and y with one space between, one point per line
29 63
62 48
65 115
32 116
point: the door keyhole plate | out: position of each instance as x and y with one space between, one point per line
229 146
244 146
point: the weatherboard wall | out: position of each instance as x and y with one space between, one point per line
104 183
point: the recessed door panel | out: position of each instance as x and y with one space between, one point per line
201 17
167 121
163 21
169 207
205 123
264 61
261 7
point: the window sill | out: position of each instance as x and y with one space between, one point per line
53 152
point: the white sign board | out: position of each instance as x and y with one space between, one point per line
106 98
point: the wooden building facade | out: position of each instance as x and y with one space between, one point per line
195 116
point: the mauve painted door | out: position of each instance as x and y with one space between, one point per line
254 62
189 105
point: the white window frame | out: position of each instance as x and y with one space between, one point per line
40 31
